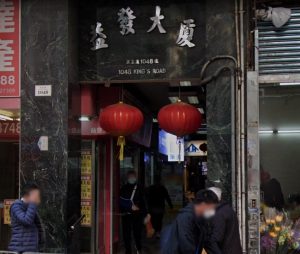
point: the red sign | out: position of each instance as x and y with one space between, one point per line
9 129
9 48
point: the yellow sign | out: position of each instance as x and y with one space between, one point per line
86 187
86 210
86 163
7 205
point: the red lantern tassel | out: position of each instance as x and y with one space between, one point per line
121 143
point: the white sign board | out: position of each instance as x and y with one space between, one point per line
43 90
43 143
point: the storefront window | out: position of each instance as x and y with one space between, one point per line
279 155
9 168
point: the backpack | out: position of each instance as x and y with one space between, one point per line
169 239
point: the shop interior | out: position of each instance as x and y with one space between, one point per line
181 164
279 155
9 163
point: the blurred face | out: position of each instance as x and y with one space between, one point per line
34 196
205 210
131 178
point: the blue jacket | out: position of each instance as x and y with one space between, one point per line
27 233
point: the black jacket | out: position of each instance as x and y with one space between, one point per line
226 230
138 199
188 235
157 195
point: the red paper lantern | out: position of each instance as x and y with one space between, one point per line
121 120
179 118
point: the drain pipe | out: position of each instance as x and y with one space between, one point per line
244 186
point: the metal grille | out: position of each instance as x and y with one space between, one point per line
279 48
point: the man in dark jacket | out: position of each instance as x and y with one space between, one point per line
133 209
188 233
226 227
27 231
157 196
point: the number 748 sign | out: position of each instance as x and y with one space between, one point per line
9 129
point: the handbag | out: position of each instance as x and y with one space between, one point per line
128 203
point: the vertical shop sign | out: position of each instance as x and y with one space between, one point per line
9 48
6 215
86 187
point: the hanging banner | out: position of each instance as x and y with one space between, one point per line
7 205
86 210
86 187
9 48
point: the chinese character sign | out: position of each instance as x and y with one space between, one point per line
186 33
98 37
141 40
9 48
156 22
86 187
125 19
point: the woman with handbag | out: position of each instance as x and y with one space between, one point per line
133 209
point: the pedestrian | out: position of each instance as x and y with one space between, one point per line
225 227
188 233
27 230
133 209
157 196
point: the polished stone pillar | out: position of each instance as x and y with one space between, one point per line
220 40
48 54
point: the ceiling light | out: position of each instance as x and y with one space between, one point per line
193 99
201 110
289 84
293 131
266 131
84 119
185 83
5 118
288 131
173 99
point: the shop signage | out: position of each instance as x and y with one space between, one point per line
86 210
10 48
9 129
43 143
86 187
43 90
7 204
140 41
194 148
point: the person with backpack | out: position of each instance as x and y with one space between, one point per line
189 234
27 230
134 211
225 227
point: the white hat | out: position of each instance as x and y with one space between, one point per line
217 191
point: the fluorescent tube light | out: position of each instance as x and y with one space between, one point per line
290 84
173 99
193 99
201 110
185 83
5 118
84 119
266 131
288 131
